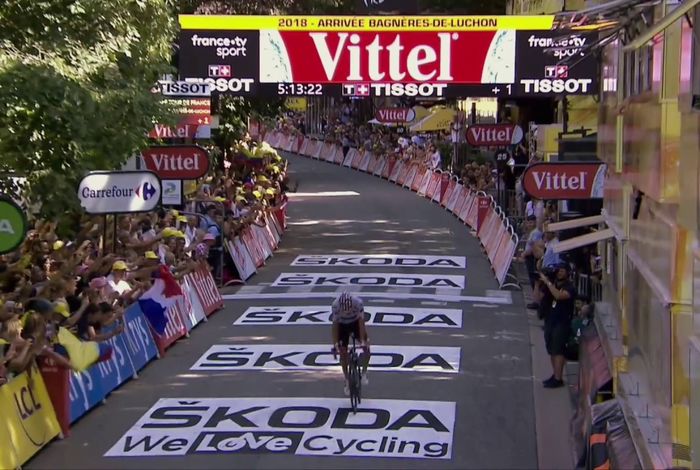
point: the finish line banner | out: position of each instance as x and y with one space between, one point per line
392 56
291 426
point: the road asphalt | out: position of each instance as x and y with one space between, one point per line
453 391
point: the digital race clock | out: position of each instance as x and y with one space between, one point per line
299 89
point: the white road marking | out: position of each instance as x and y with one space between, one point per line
371 295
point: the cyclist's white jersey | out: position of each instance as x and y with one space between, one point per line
347 316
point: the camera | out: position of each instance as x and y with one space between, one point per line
550 273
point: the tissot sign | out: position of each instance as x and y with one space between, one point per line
565 180
368 56
494 135
183 162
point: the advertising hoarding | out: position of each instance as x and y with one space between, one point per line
384 56
119 192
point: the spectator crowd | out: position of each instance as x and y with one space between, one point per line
63 298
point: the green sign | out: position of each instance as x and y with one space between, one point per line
13 225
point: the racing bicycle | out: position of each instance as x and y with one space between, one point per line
354 375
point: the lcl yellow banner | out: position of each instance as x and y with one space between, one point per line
27 419
366 23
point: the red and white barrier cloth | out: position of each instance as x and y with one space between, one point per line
495 233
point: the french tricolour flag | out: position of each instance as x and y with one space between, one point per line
156 301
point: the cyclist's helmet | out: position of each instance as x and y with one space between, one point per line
345 301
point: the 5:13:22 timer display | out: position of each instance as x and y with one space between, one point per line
300 89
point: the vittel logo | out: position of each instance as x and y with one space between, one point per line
386 62
225 47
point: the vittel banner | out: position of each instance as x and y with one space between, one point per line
382 56
291 426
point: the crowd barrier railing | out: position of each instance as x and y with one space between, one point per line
495 233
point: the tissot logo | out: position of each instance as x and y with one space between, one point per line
220 71
302 426
570 86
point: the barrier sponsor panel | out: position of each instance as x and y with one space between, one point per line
312 426
457 195
339 157
447 190
364 164
416 177
318 148
393 358
433 185
483 205
388 167
28 420
174 329
462 206
375 316
304 149
504 257
205 287
261 237
369 279
241 258
194 309
473 212
372 165
379 260
395 171
379 168
423 182
357 159
253 247
403 173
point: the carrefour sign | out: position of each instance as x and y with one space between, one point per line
119 192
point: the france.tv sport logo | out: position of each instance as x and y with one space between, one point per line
145 191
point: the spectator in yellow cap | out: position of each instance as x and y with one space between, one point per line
116 281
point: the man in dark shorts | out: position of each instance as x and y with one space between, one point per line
557 322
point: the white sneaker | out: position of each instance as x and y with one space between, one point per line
365 379
346 389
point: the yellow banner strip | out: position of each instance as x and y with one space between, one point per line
366 23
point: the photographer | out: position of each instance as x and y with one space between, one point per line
557 321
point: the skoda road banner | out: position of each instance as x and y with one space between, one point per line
369 280
394 56
291 426
319 356
102 192
403 261
375 316
556 181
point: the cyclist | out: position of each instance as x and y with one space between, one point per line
348 315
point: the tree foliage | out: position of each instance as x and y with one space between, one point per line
75 80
